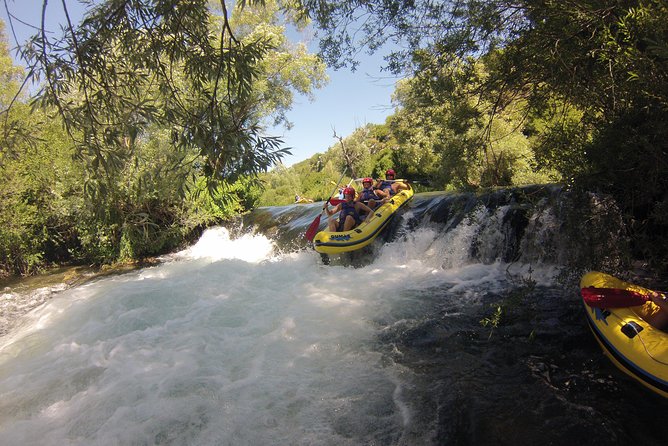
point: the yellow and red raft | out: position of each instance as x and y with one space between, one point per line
326 242
633 345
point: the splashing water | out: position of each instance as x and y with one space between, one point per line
231 343
215 244
222 344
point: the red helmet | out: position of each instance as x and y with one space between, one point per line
389 172
367 180
349 191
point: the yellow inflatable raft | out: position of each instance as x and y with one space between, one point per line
326 242
634 346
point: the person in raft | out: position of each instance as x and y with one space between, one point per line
350 212
368 195
389 187
655 311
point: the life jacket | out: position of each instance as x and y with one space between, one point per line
348 209
368 194
387 185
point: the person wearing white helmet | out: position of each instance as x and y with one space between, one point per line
350 212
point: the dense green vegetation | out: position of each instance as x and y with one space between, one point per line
150 122
147 129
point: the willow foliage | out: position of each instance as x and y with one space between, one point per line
172 63
162 106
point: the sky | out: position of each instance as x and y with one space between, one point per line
348 101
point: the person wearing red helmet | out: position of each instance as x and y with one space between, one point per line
389 186
368 195
350 212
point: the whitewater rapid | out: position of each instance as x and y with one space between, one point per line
232 342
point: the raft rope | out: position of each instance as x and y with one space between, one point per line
642 341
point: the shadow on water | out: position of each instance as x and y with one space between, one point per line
536 378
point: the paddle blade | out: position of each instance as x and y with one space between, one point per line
612 297
313 229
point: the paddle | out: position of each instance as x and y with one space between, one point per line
612 297
313 229
421 182
359 180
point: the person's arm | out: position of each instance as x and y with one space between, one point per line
381 193
364 208
401 186
660 299
334 210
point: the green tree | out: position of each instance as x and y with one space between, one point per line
172 63
13 125
41 197
361 150
133 181
446 132
287 69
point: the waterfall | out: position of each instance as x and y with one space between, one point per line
246 338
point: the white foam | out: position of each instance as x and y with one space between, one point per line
215 244
231 350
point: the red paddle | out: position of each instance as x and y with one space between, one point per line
612 297
313 229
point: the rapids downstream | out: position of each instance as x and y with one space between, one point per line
458 327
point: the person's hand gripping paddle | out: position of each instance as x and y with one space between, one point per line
313 229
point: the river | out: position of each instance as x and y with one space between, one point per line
247 339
